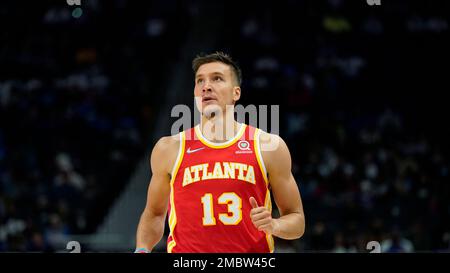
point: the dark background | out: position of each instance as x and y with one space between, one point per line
361 91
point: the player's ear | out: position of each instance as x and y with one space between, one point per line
236 93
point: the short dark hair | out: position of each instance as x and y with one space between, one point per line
218 56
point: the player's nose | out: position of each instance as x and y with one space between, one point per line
206 87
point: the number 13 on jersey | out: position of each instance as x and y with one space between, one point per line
231 199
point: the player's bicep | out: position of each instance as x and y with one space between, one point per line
287 195
282 182
159 187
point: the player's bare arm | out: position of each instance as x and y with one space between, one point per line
151 225
291 223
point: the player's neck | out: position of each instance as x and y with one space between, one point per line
219 128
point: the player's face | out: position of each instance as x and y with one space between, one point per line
215 88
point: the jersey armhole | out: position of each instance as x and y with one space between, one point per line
179 156
172 215
259 156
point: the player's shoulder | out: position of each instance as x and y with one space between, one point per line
167 143
267 137
269 141
274 151
165 152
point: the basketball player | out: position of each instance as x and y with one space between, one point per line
216 187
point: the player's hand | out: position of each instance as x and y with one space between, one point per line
262 218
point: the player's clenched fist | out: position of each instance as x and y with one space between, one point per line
262 218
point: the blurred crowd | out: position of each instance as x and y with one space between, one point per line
369 148
78 98
76 111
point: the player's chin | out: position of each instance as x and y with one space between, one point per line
210 109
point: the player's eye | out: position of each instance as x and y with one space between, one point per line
217 78
199 80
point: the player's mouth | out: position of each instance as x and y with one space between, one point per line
208 99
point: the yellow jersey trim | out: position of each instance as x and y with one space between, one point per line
226 144
269 238
262 167
173 215
259 157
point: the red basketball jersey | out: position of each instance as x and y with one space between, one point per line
211 184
